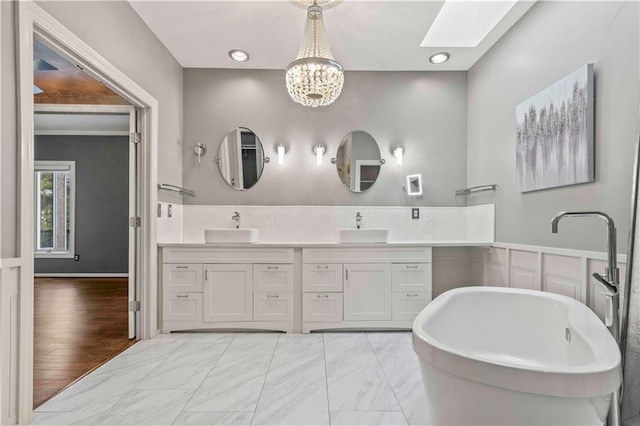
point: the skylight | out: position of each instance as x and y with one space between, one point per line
465 23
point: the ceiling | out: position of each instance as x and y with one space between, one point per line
364 35
64 83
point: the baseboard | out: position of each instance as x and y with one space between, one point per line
80 275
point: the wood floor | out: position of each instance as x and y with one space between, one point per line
80 323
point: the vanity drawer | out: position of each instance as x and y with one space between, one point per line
322 277
411 277
182 306
182 277
273 278
272 306
407 305
322 307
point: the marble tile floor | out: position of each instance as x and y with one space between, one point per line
250 379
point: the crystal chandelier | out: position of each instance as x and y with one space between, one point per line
314 78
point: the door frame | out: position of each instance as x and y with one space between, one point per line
32 20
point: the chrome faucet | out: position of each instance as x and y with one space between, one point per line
612 283
358 220
236 217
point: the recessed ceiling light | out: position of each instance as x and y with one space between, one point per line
239 55
439 58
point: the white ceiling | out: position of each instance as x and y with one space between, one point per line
364 35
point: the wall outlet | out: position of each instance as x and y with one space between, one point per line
415 213
76 257
169 211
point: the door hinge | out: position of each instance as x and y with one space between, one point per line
134 306
136 137
135 222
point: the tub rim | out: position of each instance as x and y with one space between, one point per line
601 376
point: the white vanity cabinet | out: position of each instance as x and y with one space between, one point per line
364 287
227 288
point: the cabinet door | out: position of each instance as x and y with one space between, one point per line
228 293
272 306
321 307
319 277
182 307
407 305
411 277
273 278
185 278
367 292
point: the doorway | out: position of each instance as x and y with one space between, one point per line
34 22
86 176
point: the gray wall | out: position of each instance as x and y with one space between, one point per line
550 41
102 202
424 112
116 32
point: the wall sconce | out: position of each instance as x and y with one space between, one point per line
200 150
319 151
397 152
414 184
281 149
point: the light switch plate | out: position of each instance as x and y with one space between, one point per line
415 213
159 210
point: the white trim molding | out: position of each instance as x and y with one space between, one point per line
80 275
33 21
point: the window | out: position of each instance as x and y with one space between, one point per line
55 208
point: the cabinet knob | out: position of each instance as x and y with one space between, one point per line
412 295
322 296
182 267
323 267
273 296
182 296
412 267
272 267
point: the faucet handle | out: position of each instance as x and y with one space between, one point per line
612 287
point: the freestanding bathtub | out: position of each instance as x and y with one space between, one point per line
492 355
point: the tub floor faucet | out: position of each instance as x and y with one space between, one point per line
236 217
612 284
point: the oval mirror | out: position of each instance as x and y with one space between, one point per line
241 158
358 161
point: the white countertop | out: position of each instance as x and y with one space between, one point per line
324 244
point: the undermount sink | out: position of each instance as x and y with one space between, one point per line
231 235
362 236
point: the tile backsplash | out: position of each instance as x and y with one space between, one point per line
321 223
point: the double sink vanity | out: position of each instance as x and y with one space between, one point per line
233 282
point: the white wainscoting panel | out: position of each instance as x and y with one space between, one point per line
563 271
524 270
563 275
9 331
449 269
498 267
477 262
